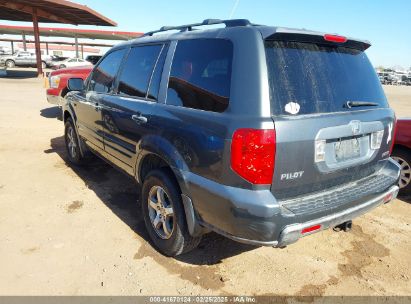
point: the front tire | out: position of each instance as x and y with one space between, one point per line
164 214
72 144
403 158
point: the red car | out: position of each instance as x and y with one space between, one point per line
58 82
402 153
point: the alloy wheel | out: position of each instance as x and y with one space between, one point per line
161 212
405 176
71 142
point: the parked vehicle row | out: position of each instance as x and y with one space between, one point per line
216 141
70 62
27 59
22 58
394 79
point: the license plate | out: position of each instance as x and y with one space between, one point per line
347 149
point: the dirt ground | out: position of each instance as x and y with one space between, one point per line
78 231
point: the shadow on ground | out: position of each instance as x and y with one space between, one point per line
20 74
121 194
53 112
405 198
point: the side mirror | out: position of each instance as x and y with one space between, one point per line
75 84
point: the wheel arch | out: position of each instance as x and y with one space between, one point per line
64 91
68 111
161 149
12 60
159 153
151 161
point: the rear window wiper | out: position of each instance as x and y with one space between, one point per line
351 104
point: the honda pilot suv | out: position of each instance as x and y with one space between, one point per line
261 134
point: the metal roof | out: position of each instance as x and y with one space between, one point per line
69 32
52 11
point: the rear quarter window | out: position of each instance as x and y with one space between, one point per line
200 75
307 78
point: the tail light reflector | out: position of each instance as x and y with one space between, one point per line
388 198
310 229
335 38
253 155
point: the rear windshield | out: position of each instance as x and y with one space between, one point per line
307 78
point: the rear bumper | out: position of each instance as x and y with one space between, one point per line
291 233
256 217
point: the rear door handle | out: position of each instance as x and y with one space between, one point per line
138 118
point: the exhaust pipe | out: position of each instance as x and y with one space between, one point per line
346 226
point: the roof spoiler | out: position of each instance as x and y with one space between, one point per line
319 38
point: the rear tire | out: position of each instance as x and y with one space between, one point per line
10 64
403 157
72 144
43 65
164 214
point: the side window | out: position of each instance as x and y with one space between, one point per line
138 67
200 75
156 78
103 75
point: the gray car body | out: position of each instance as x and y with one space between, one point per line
24 59
196 146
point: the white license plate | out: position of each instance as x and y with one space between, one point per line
347 149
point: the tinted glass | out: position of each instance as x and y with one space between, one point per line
308 78
156 78
104 74
201 74
136 74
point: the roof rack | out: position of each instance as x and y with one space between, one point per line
189 27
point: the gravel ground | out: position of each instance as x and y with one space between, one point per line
78 231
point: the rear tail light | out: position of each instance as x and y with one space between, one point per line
335 38
394 127
253 155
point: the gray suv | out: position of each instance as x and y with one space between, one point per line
261 134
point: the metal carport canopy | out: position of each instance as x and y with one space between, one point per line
69 32
50 11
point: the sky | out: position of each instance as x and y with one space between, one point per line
385 23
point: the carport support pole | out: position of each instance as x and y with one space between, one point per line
76 43
12 47
37 43
82 52
47 48
24 41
